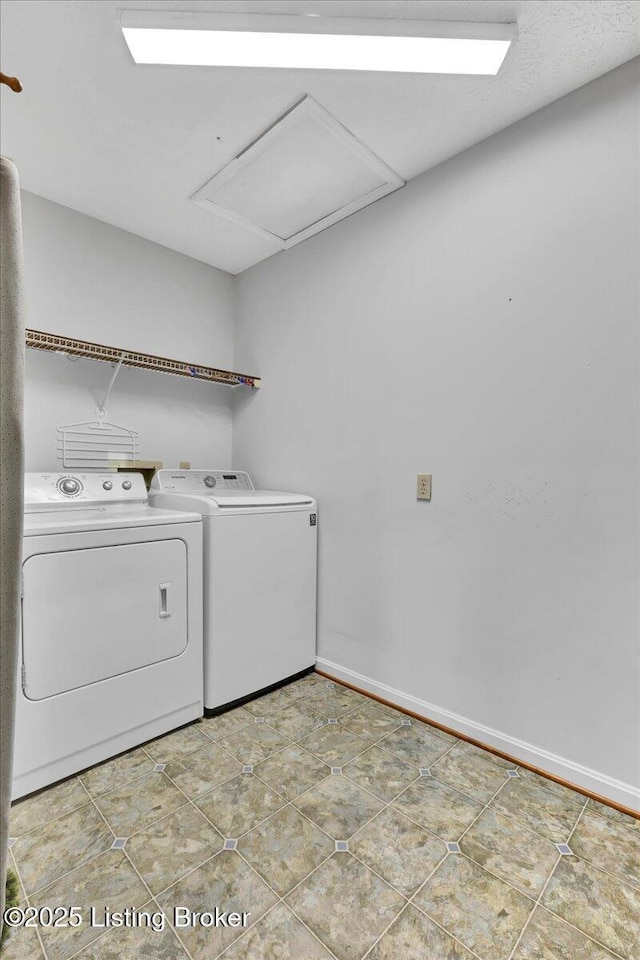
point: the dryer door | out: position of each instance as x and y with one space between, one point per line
92 614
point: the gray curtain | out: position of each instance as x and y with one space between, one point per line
11 477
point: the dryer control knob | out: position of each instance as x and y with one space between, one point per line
70 486
209 481
107 485
126 484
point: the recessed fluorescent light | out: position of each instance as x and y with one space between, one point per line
316 43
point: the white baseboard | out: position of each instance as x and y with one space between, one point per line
592 780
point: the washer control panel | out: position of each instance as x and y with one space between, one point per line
200 481
60 489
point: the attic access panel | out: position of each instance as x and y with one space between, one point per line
301 175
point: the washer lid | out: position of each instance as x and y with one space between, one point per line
252 499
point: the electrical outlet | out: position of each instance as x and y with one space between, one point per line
185 465
423 491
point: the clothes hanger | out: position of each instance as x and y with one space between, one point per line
12 82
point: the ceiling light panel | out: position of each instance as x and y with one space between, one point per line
316 43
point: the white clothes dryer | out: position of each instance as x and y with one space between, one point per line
260 573
111 625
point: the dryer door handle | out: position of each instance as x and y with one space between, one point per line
164 605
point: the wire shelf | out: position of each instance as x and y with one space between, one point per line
38 340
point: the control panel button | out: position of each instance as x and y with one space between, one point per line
209 481
126 484
70 486
107 485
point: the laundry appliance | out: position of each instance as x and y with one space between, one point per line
260 572
111 623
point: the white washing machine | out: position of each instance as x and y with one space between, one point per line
260 572
111 651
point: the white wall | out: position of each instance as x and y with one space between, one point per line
89 280
482 325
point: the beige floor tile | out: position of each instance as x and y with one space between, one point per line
22 944
345 905
511 851
438 807
108 881
285 849
380 772
333 702
50 804
561 791
432 728
388 710
171 847
632 823
12 865
546 813
414 937
487 755
302 688
295 721
136 944
239 805
228 883
114 773
225 723
177 744
278 936
253 744
338 806
601 906
469 773
484 913
370 721
608 845
268 705
135 805
292 771
202 770
417 745
549 938
334 745
398 850
44 855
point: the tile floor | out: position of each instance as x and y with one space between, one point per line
344 829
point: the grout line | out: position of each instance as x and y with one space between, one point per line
46 823
245 933
62 876
104 852
545 885
587 936
188 873
535 905
304 879
448 933
280 899
270 787
487 804
15 867
386 929
542 906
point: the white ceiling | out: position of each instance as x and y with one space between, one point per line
130 144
